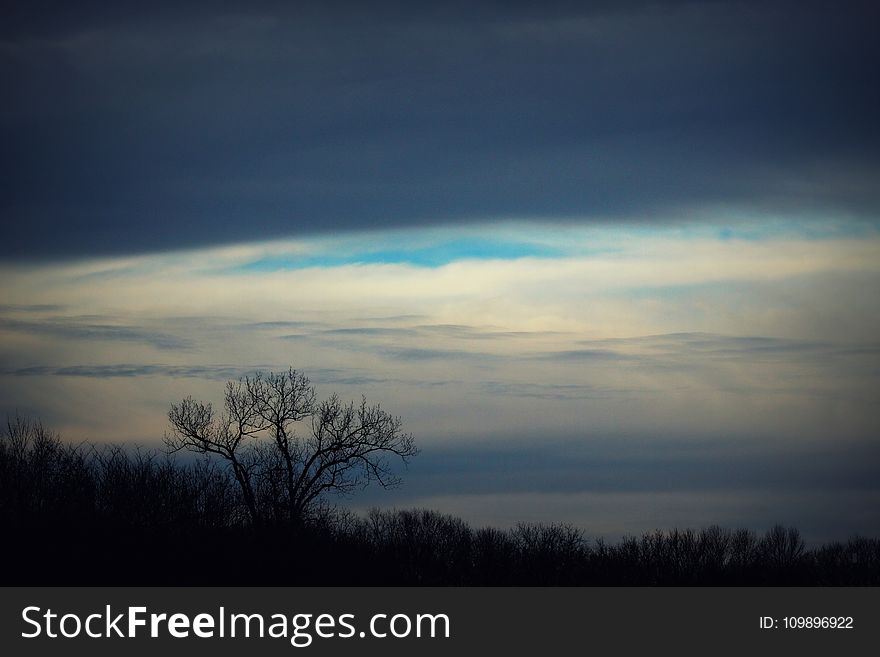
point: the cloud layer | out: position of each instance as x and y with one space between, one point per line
631 364
188 124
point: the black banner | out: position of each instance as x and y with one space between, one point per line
436 621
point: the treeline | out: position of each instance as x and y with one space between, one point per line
85 515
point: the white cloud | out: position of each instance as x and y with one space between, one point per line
772 338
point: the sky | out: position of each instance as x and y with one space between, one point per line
614 264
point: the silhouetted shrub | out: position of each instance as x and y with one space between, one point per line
549 554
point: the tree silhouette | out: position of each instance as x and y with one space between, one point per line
285 449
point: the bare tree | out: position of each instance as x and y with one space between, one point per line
286 449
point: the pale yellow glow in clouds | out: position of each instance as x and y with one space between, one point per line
476 346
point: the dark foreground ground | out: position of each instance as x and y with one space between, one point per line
85 516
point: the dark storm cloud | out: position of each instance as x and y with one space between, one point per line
462 332
666 351
712 346
554 391
421 353
162 125
282 325
451 331
372 331
6 309
574 355
220 372
86 329
318 375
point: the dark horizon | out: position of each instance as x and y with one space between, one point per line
124 515
183 125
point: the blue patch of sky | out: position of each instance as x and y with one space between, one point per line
437 247
433 255
756 229
809 230
745 227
